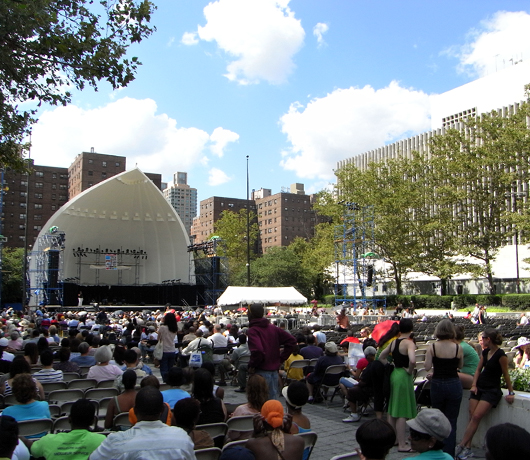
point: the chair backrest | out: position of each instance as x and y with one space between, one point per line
34 427
229 445
212 453
102 405
55 410
51 386
105 384
243 423
299 364
121 420
100 393
10 400
83 370
65 395
334 369
348 456
313 362
67 376
83 383
310 439
214 429
61 424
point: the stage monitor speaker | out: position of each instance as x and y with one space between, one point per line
53 268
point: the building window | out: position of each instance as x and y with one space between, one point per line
54 207
24 183
37 217
54 175
38 195
90 173
63 187
38 206
54 186
22 238
104 164
117 164
103 175
62 197
90 161
22 204
37 227
64 176
22 216
39 184
23 194
21 227
39 174
54 196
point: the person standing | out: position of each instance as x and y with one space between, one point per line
402 405
80 299
166 333
264 342
446 357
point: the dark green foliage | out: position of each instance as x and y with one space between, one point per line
12 274
489 299
48 45
516 301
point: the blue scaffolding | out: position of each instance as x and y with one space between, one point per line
355 258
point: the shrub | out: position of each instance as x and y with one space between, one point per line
520 379
433 302
489 299
516 301
465 300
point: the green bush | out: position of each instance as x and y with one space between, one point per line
465 300
432 302
489 299
516 301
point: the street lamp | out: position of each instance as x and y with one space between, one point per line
248 230
515 196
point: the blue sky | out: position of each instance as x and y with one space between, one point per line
296 85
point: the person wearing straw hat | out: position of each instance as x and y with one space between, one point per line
522 359
427 433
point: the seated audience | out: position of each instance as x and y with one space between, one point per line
48 374
186 413
257 394
149 438
271 438
123 402
175 378
213 409
375 438
8 436
427 433
507 442
103 370
64 364
316 377
293 374
28 408
76 444
19 366
84 358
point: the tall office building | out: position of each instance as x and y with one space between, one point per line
183 198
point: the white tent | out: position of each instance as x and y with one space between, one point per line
237 295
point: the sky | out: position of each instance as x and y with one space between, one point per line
295 85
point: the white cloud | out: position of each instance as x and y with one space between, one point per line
170 42
498 42
128 127
217 177
347 122
220 138
189 38
261 35
318 31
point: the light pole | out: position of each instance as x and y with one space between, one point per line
515 196
248 230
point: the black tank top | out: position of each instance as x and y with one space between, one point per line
445 368
400 360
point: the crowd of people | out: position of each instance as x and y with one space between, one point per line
192 348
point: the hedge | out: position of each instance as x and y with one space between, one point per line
516 301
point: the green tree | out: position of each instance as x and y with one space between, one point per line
47 46
232 229
486 164
281 266
12 259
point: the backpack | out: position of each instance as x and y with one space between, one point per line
206 351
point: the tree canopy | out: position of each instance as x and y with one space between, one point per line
49 46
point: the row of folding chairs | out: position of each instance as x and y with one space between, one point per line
213 453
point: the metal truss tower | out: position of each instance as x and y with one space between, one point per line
47 277
355 277
210 271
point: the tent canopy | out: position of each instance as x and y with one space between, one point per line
236 295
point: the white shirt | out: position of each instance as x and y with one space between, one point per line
523 322
219 341
146 441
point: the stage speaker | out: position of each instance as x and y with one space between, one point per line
53 268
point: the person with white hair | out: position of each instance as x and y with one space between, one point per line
103 370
